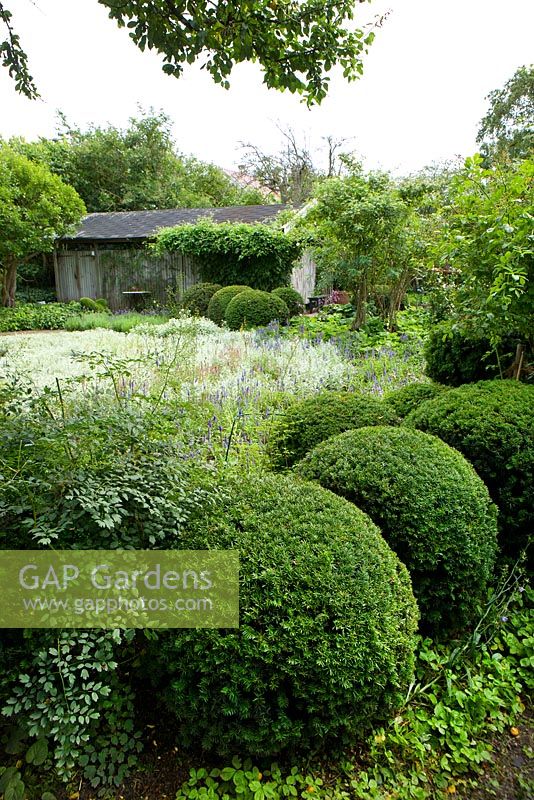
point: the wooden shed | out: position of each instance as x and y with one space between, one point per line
107 256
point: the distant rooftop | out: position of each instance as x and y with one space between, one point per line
124 225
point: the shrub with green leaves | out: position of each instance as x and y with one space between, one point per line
327 621
89 304
293 299
310 421
492 424
196 299
100 478
254 309
454 358
219 302
233 252
59 673
37 316
430 505
89 477
405 399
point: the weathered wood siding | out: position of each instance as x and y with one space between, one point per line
303 277
100 272
108 272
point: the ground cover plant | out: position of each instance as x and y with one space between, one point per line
121 323
38 316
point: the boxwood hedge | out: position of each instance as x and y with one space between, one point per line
219 301
492 424
327 622
253 309
430 505
405 399
455 358
310 421
196 299
291 298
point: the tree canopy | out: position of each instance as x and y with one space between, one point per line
487 237
296 42
363 236
508 126
132 169
35 208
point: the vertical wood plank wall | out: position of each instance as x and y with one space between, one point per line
100 272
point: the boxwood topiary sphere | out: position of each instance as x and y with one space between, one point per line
291 298
89 304
219 301
405 399
492 424
430 505
327 623
310 421
253 308
196 299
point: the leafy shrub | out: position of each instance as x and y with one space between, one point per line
92 478
291 298
89 304
310 421
454 358
253 309
35 294
405 399
232 253
219 302
492 424
327 619
100 479
196 299
37 316
75 669
430 505
465 693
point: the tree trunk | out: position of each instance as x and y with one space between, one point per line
9 284
361 304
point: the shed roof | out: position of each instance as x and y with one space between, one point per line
124 225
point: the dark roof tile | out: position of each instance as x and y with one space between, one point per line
142 224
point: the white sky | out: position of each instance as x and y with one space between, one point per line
420 99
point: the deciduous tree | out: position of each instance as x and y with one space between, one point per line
296 42
35 208
362 233
135 168
508 126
